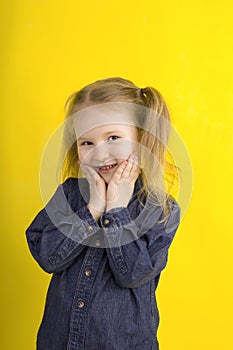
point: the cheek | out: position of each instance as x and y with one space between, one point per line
123 149
85 155
81 154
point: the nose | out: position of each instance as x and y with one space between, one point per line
100 154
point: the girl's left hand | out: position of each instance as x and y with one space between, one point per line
121 185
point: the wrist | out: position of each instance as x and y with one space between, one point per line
95 213
108 208
98 207
94 209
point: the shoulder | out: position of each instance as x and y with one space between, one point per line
172 203
76 191
72 183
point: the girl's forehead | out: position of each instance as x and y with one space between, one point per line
101 121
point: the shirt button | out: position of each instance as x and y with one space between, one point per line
89 228
88 273
80 304
97 243
106 222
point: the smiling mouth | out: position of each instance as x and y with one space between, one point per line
105 168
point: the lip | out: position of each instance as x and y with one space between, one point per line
106 171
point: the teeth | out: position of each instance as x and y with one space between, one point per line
107 167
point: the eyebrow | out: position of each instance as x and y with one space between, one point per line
105 134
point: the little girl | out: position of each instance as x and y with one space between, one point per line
105 235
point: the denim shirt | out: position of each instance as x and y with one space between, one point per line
104 275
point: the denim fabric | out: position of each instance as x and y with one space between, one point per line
104 275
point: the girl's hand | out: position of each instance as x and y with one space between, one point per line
121 185
97 202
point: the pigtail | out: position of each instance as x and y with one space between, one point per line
153 99
69 103
155 136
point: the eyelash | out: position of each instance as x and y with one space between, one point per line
83 143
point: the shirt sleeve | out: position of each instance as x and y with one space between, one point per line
141 260
57 233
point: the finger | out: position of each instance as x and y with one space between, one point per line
135 174
127 169
117 175
136 167
133 162
90 173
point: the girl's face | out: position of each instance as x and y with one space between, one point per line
106 145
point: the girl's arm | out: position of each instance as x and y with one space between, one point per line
142 259
56 234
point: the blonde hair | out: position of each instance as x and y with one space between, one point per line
153 135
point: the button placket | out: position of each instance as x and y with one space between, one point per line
82 296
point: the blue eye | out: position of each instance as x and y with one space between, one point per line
115 137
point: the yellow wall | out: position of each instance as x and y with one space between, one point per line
184 48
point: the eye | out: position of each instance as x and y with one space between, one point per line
113 137
86 143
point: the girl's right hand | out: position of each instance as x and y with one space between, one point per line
97 185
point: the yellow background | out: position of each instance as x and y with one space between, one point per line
49 49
